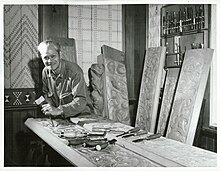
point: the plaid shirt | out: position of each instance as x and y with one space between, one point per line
68 90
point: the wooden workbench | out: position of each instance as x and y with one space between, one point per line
159 152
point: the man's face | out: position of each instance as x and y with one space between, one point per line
50 57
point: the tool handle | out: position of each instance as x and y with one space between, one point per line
94 143
154 136
136 129
149 137
77 141
101 146
141 133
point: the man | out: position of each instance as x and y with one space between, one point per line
64 86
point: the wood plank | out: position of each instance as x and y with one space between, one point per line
189 95
113 155
174 153
150 88
160 160
115 85
170 84
162 151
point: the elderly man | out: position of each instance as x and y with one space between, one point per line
64 87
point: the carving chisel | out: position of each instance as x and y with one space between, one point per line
149 137
133 130
135 134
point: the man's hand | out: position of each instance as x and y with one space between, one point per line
47 109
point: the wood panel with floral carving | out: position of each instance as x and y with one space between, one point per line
150 88
115 85
189 95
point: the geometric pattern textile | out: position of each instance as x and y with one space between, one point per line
19 97
20 46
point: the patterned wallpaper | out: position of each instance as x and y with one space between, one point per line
93 26
20 46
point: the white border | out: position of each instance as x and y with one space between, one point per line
82 2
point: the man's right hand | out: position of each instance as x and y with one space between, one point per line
47 109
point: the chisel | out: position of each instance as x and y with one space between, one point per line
149 137
133 130
135 134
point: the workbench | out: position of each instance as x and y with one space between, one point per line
159 152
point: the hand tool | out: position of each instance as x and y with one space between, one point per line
133 130
135 134
41 101
93 143
105 129
77 141
104 145
149 137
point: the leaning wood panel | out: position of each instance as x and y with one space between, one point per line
189 95
96 73
115 85
68 48
150 88
170 84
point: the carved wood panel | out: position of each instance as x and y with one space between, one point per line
115 85
185 155
115 156
68 48
96 73
170 84
150 88
189 95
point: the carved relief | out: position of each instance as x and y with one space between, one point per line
116 91
189 95
168 94
97 83
183 154
150 88
115 156
115 85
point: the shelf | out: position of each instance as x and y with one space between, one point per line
171 54
184 33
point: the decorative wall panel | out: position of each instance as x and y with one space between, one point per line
22 97
189 95
20 46
93 26
170 84
115 85
150 88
